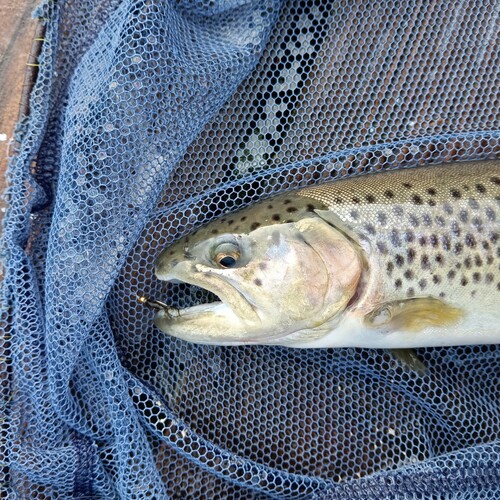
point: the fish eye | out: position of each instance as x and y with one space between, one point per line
227 255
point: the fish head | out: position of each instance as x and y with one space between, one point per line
273 282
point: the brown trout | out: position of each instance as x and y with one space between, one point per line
399 259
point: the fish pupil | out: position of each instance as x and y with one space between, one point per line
227 261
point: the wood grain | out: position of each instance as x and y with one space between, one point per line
17 30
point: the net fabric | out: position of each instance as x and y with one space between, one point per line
150 118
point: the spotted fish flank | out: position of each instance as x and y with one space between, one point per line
397 259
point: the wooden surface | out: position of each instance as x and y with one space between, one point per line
17 30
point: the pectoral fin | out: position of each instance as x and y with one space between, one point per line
413 315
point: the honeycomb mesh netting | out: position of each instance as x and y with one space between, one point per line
151 117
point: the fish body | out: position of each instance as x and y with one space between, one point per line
399 259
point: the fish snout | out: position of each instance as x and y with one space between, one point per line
164 266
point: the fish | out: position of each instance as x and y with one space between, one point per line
398 259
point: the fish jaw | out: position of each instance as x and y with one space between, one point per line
203 324
217 282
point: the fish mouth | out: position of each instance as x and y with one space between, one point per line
210 296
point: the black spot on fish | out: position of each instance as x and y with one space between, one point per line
476 277
356 200
439 259
463 215
441 294
398 283
370 228
410 255
488 278
440 221
270 207
410 292
414 222
448 208
409 236
455 193
455 229
382 247
254 226
276 217
473 204
262 266
433 240
422 284
431 203
395 239
230 221
495 180
490 214
291 209
424 262
468 262
399 260
436 278
409 274
257 281
477 222
172 252
470 241
310 208
398 210
458 248
354 214
486 245
407 185
493 237
464 281
451 274
370 198
431 191
389 194
426 219
422 240
339 201
445 242
215 231
478 261
489 260
382 218
417 199
244 218
390 268
287 201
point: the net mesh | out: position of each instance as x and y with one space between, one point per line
152 117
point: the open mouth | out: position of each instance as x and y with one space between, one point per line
181 297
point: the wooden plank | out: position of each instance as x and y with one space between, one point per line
17 30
